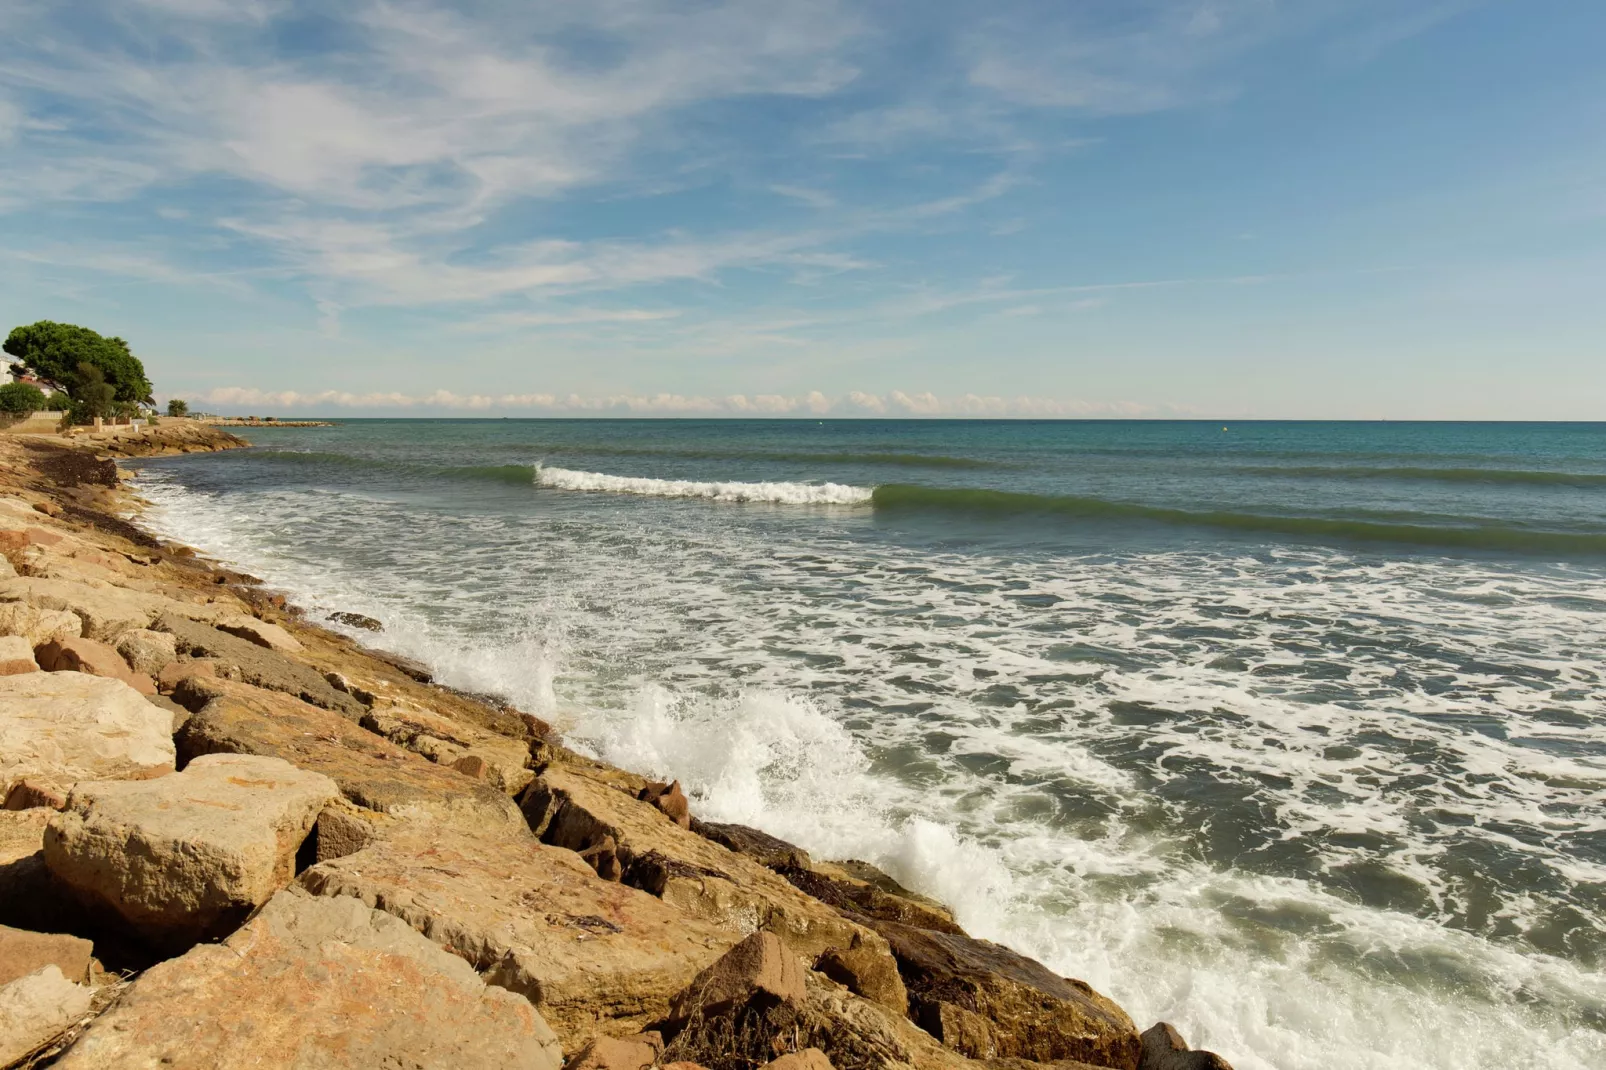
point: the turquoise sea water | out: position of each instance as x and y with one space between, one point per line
1293 734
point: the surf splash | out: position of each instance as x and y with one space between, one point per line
783 493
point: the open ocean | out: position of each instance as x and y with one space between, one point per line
1292 734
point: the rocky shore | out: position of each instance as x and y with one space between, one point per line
232 838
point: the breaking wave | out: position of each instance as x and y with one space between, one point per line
786 493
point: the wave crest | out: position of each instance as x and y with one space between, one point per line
785 493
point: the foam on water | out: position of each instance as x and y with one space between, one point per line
783 493
1316 809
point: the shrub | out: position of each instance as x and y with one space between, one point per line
21 399
58 402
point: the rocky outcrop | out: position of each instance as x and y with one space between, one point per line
188 856
988 1002
257 665
593 956
760 967
316 982
64 727
22 952
105 611
498 760
1164 1049
37 1008
259 632
234 718
96 659
37 624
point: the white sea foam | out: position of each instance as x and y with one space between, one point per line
1034 764
783 493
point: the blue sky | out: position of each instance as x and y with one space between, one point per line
1222 208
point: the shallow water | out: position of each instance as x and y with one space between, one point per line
1291 734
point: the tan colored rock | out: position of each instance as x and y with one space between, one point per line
259 632
28 793
594 957
807 1059
758 966
344 829
847 890
105 610
316 984
36 1009
65 726
670 801
636 1052
371 772
94 658
1164 1049
768 851
22 952
146 651
697 876
16 656
867 972
239 659
985 1001
498 760
38 625
188 856
22 834
175 672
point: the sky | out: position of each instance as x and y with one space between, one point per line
1080 208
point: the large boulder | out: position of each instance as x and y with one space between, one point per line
499 760
595 957
37 624
105 610
16 656
94 658
316 984
759 966
259 632
22 952
36 1009
146 651
64 727
235 718
188 856
256 665
1164 1049
649 850
987 1002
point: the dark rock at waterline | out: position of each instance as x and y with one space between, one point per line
985 1001
761 847
1164 1049
854 897
416 669
357 620
670 801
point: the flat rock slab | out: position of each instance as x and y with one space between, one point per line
594 956
370 771
22 952
316 984
106 611
37 1008
188 856
66 726
94 658
257 665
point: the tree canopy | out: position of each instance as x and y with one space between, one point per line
58 352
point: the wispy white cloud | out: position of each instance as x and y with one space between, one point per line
815 403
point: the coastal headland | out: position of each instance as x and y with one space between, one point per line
232 838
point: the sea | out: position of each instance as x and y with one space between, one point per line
1290 734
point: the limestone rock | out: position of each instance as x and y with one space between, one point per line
16 656
638 1052
96 659
987 1002
106 611
344 829
495 759
22 833
38 625
188 856
867 972
807 1059
243 660
316 984
259 632
66 726
371 772
1164 1049
35 1009
594 957
28 793
146 651
22 952
670 801
830 883
758 966
768 851
699 877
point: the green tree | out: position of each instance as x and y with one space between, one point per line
21 399
57 351
92 396
58 402
178 407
